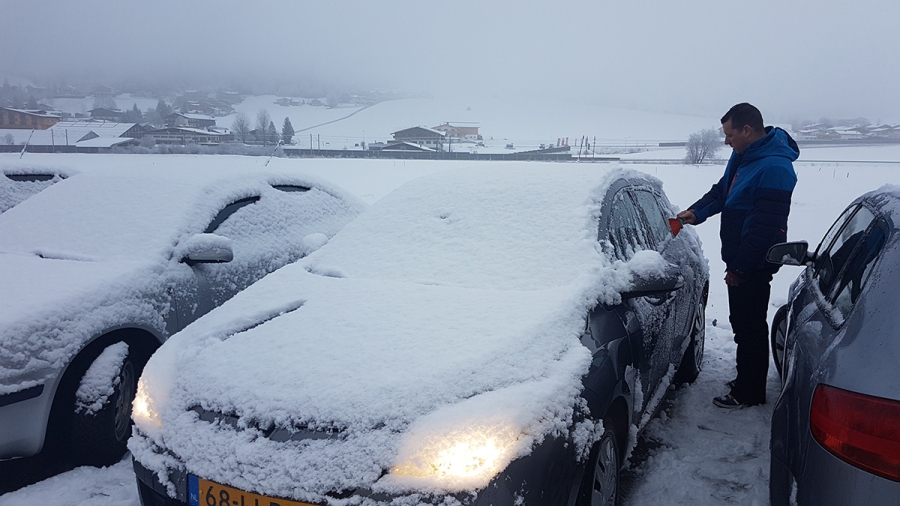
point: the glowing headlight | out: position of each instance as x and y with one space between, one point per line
457 460
142 410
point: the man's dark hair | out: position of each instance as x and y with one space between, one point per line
744 114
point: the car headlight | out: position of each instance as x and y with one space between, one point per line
460 459
143 411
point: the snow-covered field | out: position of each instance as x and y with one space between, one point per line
693 453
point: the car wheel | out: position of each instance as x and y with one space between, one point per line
601 479
100 438
692 361
778 334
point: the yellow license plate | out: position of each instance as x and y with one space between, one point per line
209 493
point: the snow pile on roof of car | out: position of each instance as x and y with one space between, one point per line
457 300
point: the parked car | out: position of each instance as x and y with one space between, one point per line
836 426
493 336
17 184
100 268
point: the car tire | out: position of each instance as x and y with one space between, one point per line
692 361
778 336
100 438
600 486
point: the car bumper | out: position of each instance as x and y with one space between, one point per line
828 480
23 416
549 475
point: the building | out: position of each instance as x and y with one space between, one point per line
105 114
178 119
425 137
459 130
23 119
185 135
405 146
72 132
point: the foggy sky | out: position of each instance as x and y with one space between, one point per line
792 59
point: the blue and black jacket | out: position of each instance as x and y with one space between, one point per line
754 197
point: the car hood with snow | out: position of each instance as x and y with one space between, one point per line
444 320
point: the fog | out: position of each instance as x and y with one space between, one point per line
808 58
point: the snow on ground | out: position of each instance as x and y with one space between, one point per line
693 452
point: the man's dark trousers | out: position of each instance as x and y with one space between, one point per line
748 305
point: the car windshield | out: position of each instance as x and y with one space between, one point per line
520 229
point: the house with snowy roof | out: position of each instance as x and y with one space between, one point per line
107 114
26 119
179 119
187 135
425 137
465 130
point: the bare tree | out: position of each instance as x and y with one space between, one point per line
702 146
262 125
241 127
9 140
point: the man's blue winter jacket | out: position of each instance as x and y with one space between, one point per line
754 197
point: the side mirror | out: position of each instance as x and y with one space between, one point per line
789 253
206 249
647 286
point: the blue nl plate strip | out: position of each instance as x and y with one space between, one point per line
193 490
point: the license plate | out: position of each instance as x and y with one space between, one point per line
209 493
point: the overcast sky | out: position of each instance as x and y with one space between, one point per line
806 58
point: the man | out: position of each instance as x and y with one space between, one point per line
754 197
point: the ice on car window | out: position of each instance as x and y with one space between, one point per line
30 178
290 188
228 211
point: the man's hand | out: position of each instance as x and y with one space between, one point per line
732 279
688 217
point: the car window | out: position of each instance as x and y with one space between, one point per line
291 188
627 231
851 281
228 211
836 227
833 259
656 219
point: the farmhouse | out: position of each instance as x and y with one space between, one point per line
106 114
185 135
425 137
178 119
459 130
22 119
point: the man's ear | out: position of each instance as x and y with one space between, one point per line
746 131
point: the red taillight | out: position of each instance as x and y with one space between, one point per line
859 429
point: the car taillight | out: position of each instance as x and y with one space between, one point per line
859 429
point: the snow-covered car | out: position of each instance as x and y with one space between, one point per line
836 425
100 268
490 336
17 184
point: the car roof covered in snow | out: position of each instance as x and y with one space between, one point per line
105 213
